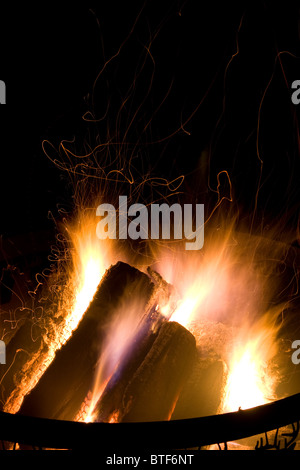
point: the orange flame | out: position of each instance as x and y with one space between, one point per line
90 259
226 283
220 282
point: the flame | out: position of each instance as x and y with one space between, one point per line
90 259
251 376
228 283
220 282
245 385
184 311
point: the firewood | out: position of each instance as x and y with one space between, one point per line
65 384
110 402
152 390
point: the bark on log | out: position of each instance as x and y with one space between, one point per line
65 384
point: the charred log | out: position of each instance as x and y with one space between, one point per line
155 387
110 403
151 392
63 387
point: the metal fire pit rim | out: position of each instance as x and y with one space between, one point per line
173 434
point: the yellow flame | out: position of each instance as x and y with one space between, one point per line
251 376
90 259
245 384
90 263
185 310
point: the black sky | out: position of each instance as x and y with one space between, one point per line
51 56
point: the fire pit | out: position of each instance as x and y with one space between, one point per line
142 360
197 433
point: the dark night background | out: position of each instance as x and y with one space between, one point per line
51 56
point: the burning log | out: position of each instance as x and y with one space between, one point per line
150 392
109 405
154 389
63 387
